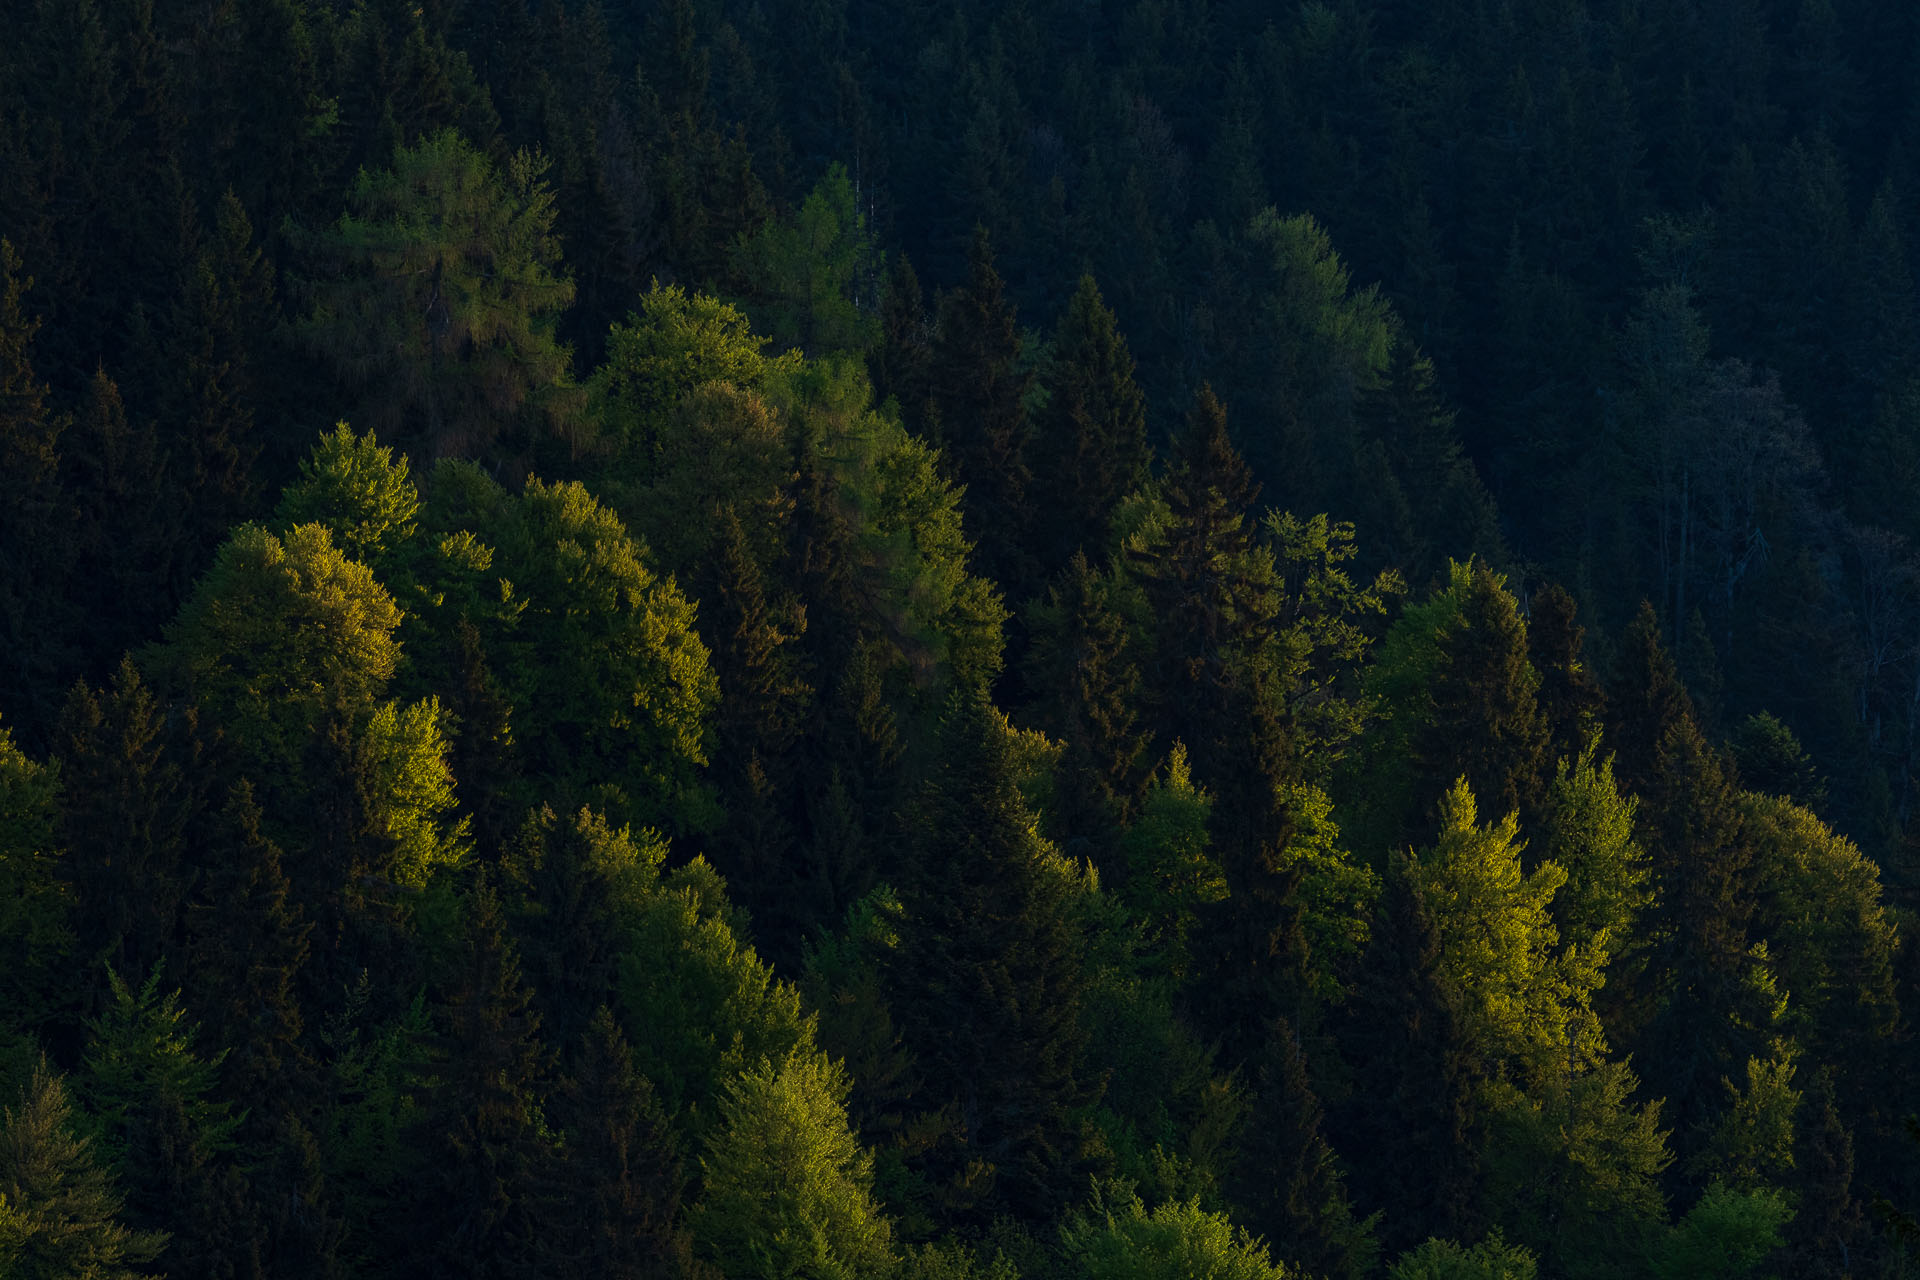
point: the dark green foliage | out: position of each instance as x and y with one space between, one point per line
977 391
33 516
1485 722
610 1196
985 983
1289 1186
1090 441
131 793
1570 696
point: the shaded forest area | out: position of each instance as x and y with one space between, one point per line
1029 639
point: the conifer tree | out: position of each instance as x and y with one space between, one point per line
1415 1106
1570 697
1287 1181
133 788
484 1123
1645 699
1090 444
978 392
153 1102
1485 722
34 517
247 940
609 1197
1710 1016
132 555
1085 667
986 982
36 938
900 364
64 1208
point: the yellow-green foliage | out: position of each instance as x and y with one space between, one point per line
1497 937
1491 1259
1117 1238
280 630
1831 942
787 1188
701 1004
356 488
405 754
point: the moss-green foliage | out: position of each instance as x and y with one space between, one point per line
1725 1235
787 1190
701 1004
435 297
811 273
59 1209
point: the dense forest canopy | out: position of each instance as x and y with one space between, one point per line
1083 639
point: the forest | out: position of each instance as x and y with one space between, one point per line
1009 640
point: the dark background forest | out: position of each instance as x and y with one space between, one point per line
1027 638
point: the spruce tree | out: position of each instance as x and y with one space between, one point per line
35 519
900 364
609 1196
1084 665
1415 1104
1287 1181
1569 697
64 1208
978 393
133 787
1090 444
1645 699
1485 722
986 983
477 1217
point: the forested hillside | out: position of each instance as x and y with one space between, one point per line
1021 640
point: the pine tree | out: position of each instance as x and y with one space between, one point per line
1090 444
986 983
36 933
